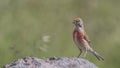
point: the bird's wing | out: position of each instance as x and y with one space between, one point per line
86 37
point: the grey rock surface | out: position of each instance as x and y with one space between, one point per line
33 62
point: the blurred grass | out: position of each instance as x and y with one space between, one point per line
24 24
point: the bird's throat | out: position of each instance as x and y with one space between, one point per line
80 29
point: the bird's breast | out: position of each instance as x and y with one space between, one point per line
79 35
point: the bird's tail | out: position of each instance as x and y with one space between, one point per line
97 56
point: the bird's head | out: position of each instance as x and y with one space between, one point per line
78 22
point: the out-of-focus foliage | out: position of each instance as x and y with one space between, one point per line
43 28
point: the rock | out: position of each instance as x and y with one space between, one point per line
53 62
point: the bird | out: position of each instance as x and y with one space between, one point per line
81 39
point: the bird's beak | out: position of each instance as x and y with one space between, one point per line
73 22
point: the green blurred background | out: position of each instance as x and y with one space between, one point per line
43 28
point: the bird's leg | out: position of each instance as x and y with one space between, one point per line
80 53
85 52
